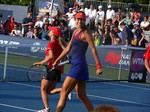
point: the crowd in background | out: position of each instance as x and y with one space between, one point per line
107 27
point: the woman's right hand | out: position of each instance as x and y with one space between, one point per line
37 64
54 64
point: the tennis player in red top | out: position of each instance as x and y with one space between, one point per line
147 59
52 52
78 73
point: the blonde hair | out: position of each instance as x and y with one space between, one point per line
106 108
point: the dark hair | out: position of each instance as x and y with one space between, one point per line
122 23
63 21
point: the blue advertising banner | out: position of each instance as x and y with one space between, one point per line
137 71
110 56
23 46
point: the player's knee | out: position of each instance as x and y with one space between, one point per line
44 89
63 93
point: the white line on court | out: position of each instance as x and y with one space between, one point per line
100 97
135 87
21 108
29 85
119 100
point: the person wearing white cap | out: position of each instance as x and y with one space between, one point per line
70 14
139 35
39 22
100 16
110 13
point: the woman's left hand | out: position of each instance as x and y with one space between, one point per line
99 71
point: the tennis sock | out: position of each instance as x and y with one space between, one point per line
44 110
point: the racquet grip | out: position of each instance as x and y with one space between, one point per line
64 62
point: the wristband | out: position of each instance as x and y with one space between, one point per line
98 65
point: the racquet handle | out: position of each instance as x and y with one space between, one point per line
64 62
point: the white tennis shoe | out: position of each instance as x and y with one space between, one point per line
70 96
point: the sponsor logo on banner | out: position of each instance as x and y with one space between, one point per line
9 42
125 59
137 69
114 58
38 48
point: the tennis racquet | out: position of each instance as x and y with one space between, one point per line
36 73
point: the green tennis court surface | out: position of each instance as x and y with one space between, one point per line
19 64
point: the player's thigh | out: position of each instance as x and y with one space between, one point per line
69 84
45 84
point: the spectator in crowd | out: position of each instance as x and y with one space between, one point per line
56 21
29 34
97 38
76 8
107 37
139 35
145 24
39 22
65 18
120 12
70 14
134 40
109 22
117 20
27 21
83 8
136 16
110 13
127 34
106 108
116 40
128 20
44 32
9 25
48 19
15 31
66 7
64 29
36 34
116 29
91 16
100 17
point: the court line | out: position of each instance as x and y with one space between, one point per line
100 97
119 100
17 107
29 85
103 82
128 86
